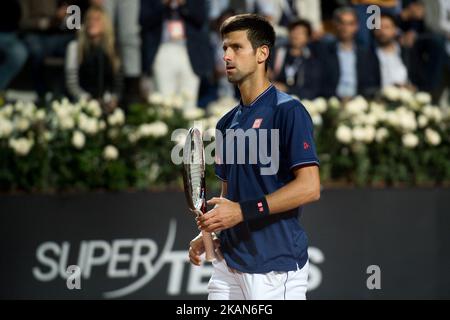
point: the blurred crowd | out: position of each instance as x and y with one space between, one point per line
126 49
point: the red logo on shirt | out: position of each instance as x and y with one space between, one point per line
305 145
257 123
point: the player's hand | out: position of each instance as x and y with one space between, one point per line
226 214
197 248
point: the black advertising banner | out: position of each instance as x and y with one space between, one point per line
364 244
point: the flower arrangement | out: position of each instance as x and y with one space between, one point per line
397 139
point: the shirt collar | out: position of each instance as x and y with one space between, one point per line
258 98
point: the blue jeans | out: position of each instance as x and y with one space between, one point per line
13 55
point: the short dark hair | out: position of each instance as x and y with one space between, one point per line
301 23
343 10
259 30
390 17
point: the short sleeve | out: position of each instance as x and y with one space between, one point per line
297 136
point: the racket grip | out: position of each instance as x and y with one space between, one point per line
210 254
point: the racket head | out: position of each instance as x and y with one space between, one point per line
194 172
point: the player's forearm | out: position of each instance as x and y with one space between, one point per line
293 195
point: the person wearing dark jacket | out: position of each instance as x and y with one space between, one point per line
176 46
13 53
348 69
296 70
393 60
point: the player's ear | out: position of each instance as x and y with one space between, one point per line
263 53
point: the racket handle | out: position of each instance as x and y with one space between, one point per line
209 246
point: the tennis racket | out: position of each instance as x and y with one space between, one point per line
194 182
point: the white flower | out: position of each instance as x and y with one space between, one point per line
357 106
193 113
321 105
359 134
407 119
40 115
392 118
432 113
310 107
117 118
93 107
369 134
317 120
67 123
110 153
371 119
406 96
410 140
133 137
6 127
432 137
334 103
391 93
6 111
177 102
78 139
165 112
156 98
101 125
344 134
21 146
156 129
423 98
153 172
22 124
28 109
48 136
87 124
422 121
381 135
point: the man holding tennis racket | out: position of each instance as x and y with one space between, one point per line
264 248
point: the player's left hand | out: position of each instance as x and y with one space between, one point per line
226 214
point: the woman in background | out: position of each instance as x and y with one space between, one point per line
92 64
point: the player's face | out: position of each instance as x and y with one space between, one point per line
239 56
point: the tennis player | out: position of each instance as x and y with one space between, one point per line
263 248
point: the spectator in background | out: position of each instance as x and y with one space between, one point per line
125 17
46 35
287 11
92 64
348 69
13 53
437 20
426 46
393 59
176 46
295 69
364 35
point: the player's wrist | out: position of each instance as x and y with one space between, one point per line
254 209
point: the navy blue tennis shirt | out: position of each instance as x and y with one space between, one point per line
276 242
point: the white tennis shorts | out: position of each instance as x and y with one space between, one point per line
230 284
